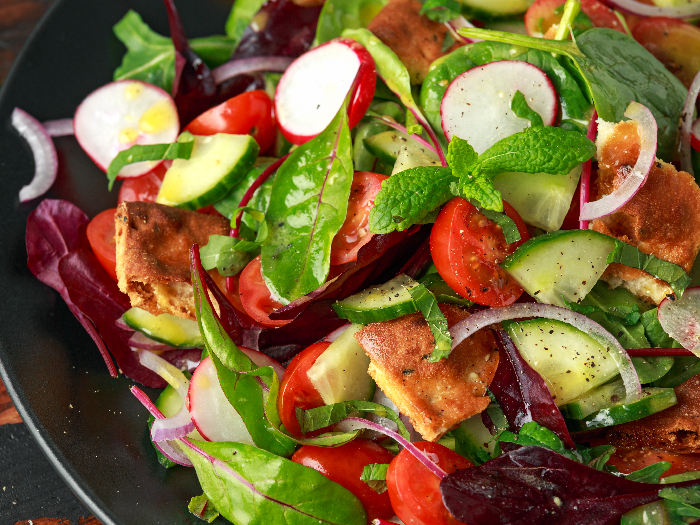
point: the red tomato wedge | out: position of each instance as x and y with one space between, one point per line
296 389
144 188
354 233
467 249
249 113
256 297
415 491
344 465
100 234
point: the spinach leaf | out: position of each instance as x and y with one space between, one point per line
203 508
151 57
221 253
374 475
338 15
521 109
251 486
428 306
327 415
650 473
615 70
441 10
240 17
532 433
307 207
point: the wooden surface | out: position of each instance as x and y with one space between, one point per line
17 20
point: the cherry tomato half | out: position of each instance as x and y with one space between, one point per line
415 491
255 295
249 113
467 249
100 234
296 389
354 233
144 188
344 465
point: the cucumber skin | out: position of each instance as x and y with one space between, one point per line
374 316
356 310
155 336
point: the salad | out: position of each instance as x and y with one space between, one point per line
402 229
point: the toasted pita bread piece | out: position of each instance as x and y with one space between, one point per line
662 219
435 396
153 245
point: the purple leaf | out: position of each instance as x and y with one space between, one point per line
523 394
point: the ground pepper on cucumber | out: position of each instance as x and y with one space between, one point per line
470 247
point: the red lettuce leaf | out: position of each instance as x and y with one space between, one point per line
534 485
523 394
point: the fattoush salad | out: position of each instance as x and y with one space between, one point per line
423 262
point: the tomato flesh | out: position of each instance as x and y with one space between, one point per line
354 233
344 465
144 188
296 389
415 491
628 461
256 298
100 234
249 113
467 249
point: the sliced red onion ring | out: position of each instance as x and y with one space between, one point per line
454 24
59 128
484 318
638 174
250 65
143 342
121 324
645 10
687 124
680 318
585 184
45 158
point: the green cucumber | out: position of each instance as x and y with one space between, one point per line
340 372
217 163
388 145
473 440
570 361
165 328
498 7
378 303
560 264
602 407
541 199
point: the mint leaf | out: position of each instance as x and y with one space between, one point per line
510 230
407 197
441 10
460 156
522 109
374 475
479 188
428 306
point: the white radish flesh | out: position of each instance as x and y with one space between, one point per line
122 114
476 105
680 318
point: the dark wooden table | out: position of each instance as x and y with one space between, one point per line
17 20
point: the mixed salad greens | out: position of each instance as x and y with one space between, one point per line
359 190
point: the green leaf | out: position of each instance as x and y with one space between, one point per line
597 457
428 306
338 15
374 475
631 256
308 204
650 473
408 196
441 10
510 229
461 157
203 508
686 495
220 253
521 108
240 17
138 153
251 485
532 433
655 333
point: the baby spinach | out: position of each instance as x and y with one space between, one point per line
240 17
520 107
338 15
428 306
615 70
307 207
374 475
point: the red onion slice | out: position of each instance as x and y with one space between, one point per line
484 318
59 128
121 324
680 318
250 65
687 124
585 186
43 150
645 10
638 174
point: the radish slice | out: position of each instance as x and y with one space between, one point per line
59 128
687 124
691 10
121 114
680 318
695 135
45 158
637 176
261 360
313 88
335 333
212 414
484 318
476 105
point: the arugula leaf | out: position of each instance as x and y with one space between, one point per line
240 17
307 207
522 109
151 57
631 256
428 306
203 508
374 475
139 153
338 15
441 10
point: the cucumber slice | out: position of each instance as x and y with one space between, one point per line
340 372
388 145
474 441
498 7
601 407
541 199
165 328
570 361
217 163
560 264
378 303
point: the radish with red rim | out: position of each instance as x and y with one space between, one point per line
123 114
313 88
695 135
476 105
680 318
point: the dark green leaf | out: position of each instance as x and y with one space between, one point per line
533 433
655 333
240 17
520 107
374 475
441 10
428 306
686 495
221 253
650 473
203 508
338 15
597 457
683 369
510 229
138 153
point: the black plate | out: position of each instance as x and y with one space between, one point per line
89 425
